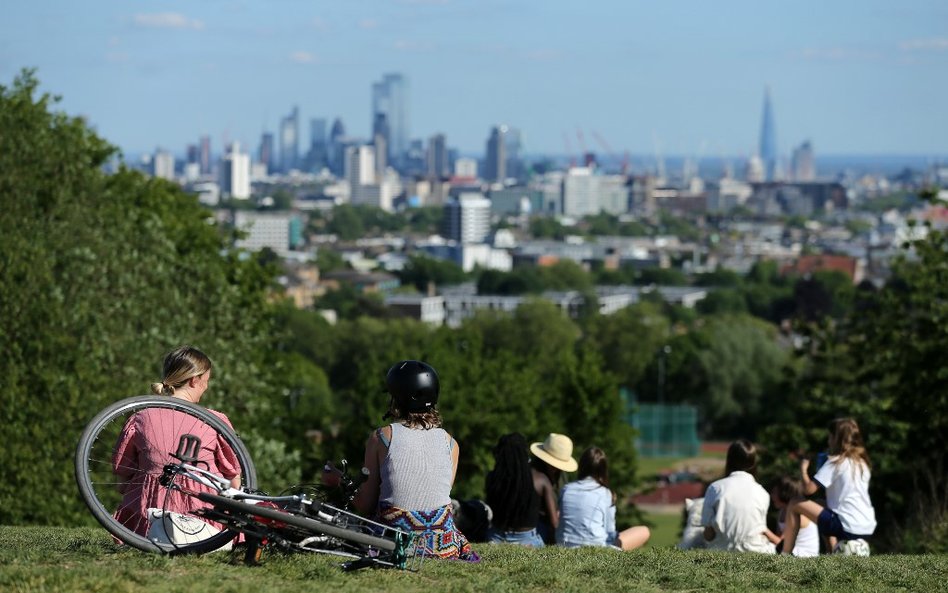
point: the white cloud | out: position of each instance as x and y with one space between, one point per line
933 44
167 20
302 57
368 24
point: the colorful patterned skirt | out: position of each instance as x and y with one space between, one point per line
436 528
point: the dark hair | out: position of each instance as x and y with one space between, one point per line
788 488
593 464
509 486
741 456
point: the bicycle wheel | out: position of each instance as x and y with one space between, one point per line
305 523
100 487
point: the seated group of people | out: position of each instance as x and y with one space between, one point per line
527 510
412 464
733 513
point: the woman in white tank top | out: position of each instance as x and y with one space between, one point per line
412 463
808 540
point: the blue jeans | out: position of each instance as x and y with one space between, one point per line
530 538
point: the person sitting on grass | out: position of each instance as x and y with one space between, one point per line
786 490
588 509
412 463
849 517
550 459
735 507
511 494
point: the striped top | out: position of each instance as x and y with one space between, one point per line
417 469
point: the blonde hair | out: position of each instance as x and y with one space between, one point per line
846 441
181 365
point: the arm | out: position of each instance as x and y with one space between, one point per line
367 498
455 453
809 486
544 488
708 511
772 537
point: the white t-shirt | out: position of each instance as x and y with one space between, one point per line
736 507
847 494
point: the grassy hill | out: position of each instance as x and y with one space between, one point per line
34 559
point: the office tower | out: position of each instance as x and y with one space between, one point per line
380 141
337 154
290 141
768 140
495 164
205 155
360 166
318 155
465 167
235 173
513 146
437 157
193 155
390 98
803 163
162 165
265 152
467 218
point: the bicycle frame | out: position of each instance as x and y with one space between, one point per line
294 522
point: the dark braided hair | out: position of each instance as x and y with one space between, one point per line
510 492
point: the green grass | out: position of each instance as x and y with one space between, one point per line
665 528
85 559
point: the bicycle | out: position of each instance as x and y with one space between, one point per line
297 521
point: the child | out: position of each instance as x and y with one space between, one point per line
735 507
785 491
412 463
588 509
848 516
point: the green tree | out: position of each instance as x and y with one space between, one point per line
105 273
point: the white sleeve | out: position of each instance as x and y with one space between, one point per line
709 510
824 475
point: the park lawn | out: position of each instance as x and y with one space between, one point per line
34 559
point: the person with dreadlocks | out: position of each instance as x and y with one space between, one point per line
412 463
511 495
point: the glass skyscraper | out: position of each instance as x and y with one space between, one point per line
390 99
768 139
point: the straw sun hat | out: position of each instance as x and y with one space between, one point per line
557 450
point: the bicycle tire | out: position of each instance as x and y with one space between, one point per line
298 521
98 485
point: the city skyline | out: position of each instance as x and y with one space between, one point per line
682 78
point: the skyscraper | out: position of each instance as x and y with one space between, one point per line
290 141
495 163
265 151
390 98
318 155
768 139
235 173
337 151
803 163
380 140
205 155
437 157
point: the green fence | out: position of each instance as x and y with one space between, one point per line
664 430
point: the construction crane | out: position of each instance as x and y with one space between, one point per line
624 161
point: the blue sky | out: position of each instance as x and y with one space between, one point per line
682 77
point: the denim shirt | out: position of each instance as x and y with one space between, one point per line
587 515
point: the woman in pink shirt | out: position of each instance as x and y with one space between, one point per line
148 438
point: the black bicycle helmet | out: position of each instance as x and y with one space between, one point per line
413 385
